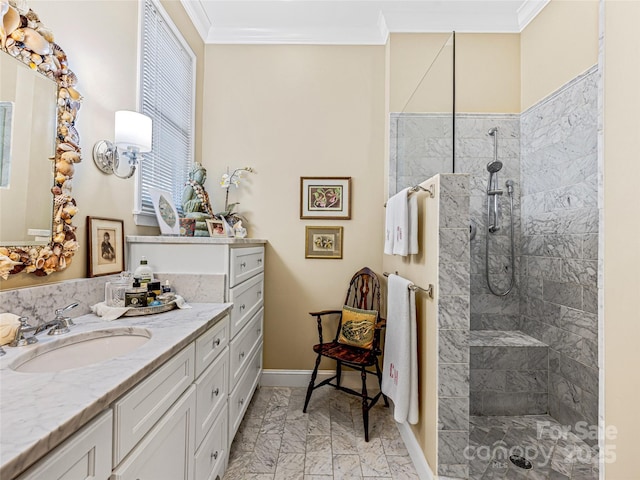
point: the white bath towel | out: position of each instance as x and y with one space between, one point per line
401 224
400 366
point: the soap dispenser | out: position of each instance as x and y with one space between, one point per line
144 272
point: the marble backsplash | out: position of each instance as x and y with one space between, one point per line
39 303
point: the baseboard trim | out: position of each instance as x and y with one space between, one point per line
415 452
301 378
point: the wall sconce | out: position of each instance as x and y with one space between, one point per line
133 136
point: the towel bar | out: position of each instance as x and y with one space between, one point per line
416 188
428 290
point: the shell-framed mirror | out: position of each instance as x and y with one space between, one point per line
25 38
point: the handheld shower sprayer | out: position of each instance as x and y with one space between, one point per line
493 212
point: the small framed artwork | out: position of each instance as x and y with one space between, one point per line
166 213
106 246
216 227
323 242
325 197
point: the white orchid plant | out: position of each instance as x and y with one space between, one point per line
226 181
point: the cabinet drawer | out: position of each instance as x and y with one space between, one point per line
210 344
137 411
242 346
241 396
84 456
211 394
244 264
247 299
167 451
211 457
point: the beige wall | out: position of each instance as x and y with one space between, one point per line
292 111
559 44
106 65
488 73
621 235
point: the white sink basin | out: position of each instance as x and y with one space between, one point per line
81 350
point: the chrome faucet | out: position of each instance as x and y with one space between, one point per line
20 340
60 324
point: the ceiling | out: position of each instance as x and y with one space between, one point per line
352 22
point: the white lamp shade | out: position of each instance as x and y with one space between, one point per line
133 129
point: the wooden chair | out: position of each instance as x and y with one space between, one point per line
363 293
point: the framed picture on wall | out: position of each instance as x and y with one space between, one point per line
325 197
106 246
323 242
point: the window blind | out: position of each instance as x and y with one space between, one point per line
167 95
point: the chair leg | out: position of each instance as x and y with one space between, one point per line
365 405
310 387
379 372
338 372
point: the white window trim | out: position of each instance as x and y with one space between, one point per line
139 217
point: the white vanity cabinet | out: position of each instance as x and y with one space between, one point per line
160 426
242 262
84 456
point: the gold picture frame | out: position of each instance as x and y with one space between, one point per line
326 198
323 242
106 246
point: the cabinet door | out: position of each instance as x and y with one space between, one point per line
211 457
211 394
84 456
137 411
244 264
166 452
247 299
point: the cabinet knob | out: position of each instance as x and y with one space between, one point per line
215 343
259 293
259 330
242 307
214 393
241 401
241 354
214 455
243 264
259 261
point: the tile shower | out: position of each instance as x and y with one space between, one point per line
543 360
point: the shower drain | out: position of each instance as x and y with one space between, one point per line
520 462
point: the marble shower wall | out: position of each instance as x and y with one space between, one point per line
420 147
559 296
474 150
453 326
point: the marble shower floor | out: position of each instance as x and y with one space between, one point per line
276 441
556 454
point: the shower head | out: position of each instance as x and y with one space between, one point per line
494 166
492 131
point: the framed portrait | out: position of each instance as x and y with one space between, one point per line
106 246
166 213
325 197
216 227
323 242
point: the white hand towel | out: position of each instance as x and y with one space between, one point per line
401 223
400 366
389 226
412 233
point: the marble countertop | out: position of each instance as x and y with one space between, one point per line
40 410
206 240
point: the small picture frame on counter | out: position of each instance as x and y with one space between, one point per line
216 227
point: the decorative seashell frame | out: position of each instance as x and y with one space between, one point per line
32 43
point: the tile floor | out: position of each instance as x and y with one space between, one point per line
276 441
555 454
